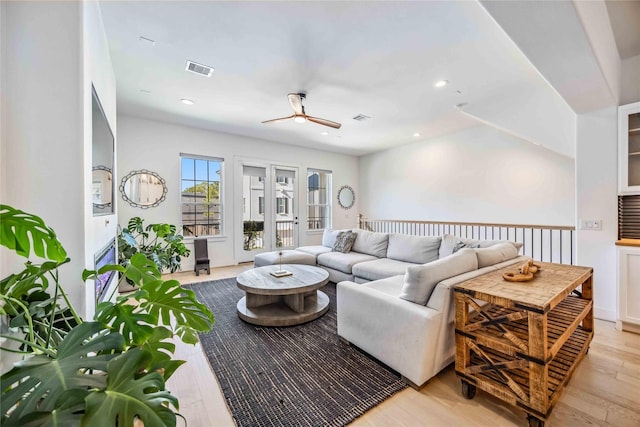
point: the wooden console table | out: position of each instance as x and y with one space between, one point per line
521 342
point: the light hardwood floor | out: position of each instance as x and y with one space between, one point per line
604 390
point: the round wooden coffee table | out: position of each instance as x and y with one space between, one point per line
282 301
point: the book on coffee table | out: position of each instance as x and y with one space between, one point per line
281 273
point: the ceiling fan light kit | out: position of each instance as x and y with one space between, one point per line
300 116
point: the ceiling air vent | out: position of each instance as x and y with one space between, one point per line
361 117
203 70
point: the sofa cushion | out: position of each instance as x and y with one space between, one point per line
415 249
451 244
329 237
344 241
391 286
420 280
495 254
489 243
380 268
371 243
314 250
342 262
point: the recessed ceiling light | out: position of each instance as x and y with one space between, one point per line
441 83
148 41
461 105
187 101
324 133
416 134
145 91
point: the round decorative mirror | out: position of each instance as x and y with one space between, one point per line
143 189
101 189
346 197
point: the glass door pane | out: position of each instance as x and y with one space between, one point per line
253 218
285 208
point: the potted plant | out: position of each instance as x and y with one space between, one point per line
110 371
159 242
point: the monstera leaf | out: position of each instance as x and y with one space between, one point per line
129 396
161 350
164 299
68 411
35 383
141 270
15 228
134 326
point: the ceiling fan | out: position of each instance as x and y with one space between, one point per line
295 99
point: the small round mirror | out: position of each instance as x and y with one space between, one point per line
143 189
346 197
101 188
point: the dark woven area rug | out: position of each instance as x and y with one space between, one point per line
293 376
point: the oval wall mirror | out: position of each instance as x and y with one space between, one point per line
101 189
143 189
346 197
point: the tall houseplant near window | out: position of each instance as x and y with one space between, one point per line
159 242
107 372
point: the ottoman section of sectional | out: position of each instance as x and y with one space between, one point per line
288 257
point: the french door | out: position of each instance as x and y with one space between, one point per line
266 208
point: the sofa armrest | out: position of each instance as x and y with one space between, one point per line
399 333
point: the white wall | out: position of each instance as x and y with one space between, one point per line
51 51
630 80
596 198
156 146
477 175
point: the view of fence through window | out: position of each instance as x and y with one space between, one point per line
318 199
201 184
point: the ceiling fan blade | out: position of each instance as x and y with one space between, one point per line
296 103
324 122
281 119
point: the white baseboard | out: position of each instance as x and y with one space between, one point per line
604 314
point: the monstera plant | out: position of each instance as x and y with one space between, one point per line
110 371
161 243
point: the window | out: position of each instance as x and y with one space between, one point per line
201 195
282 204
282 180
261 205
318 199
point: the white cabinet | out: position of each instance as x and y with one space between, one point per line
629 148
628 288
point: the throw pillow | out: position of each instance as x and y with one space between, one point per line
421 280
496 254
344 241
415 249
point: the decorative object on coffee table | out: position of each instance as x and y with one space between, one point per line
524 345
282 301
525 272
280 272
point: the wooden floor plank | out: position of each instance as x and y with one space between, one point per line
602 392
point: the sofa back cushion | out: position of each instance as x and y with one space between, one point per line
451 244
420 280
371 243
329 237
495 254
419 250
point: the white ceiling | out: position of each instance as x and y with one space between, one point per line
625 23
379 59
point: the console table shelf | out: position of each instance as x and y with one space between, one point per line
522 341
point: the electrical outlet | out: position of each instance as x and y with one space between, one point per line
590 224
